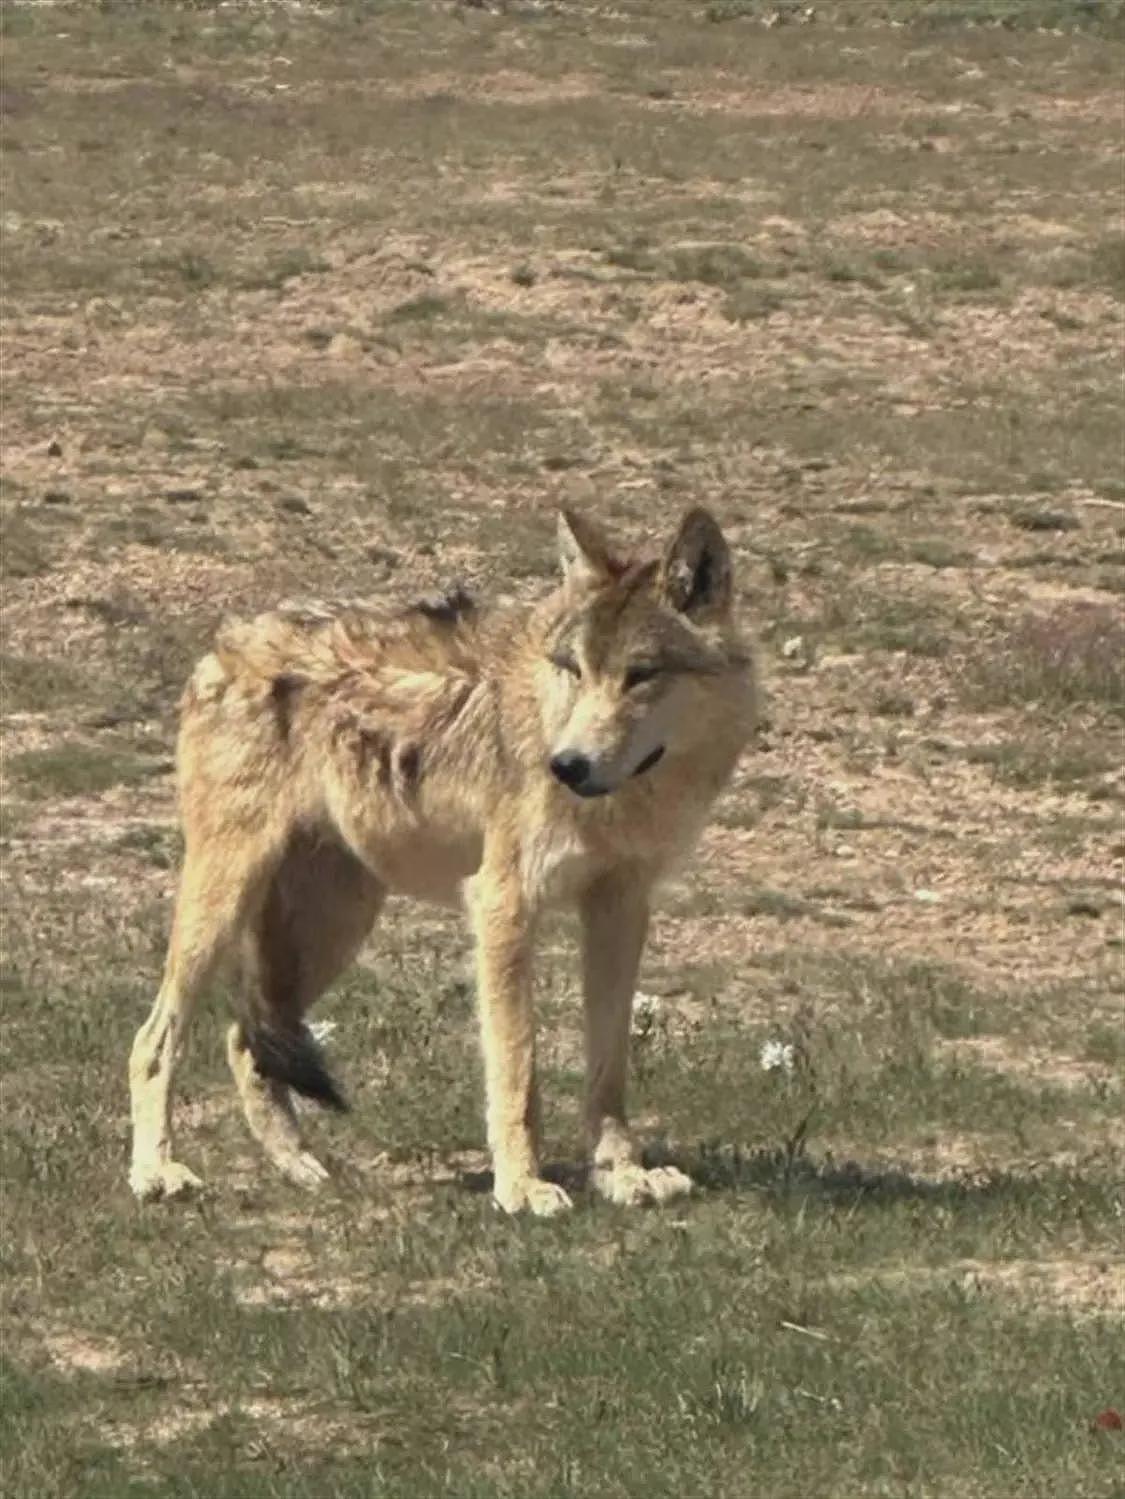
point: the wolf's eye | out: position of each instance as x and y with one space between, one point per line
636 675
566 662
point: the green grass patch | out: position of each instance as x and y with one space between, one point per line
33 684
28 544
75 768
1071 656
1071 762
445 1323
283 266
930 15
869 619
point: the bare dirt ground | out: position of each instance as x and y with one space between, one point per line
347 300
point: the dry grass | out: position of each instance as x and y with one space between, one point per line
1066 658
347 299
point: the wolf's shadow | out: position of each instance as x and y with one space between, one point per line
780 1177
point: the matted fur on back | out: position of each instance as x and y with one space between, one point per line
321 642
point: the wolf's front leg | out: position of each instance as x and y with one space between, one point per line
503 927
614 925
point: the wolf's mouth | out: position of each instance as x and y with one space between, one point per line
650 760
587 789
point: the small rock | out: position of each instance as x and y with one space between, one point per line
54 448
103 310
1083 905
183 496
927 897
294 505
113 719
1046 519
56 497
344 346
793 647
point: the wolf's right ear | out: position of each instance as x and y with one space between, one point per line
583 550
695 574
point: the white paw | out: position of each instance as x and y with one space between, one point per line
304 1170
163 1179
531 1194
631 1186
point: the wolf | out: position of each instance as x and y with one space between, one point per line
560 753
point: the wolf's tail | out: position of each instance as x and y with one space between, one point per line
291 1054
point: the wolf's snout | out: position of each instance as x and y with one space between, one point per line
571 768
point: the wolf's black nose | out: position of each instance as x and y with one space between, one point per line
571 768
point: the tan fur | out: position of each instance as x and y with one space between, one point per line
330 756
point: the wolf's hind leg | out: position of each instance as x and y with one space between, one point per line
268 1107
216 891
319 909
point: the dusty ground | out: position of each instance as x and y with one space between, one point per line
341 300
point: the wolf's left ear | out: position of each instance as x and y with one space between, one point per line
583 549
695 575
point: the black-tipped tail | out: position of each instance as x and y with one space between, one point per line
292 1056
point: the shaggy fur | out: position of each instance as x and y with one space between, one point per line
562 753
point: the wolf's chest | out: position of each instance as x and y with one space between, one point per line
562 855
556 862
425 866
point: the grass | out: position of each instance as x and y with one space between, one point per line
827 1273
28 549
37 685
78 769
928 15
1068 657
1074 762
726 1405
938 15
869 619
319 301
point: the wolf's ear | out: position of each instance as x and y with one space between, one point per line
583 550
695 575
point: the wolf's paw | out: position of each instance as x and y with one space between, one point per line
631 1186
163 1179
531 1194
304 1170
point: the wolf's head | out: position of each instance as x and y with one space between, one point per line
641 660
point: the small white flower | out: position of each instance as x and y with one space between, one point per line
647 1010
776 1056
320 1030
